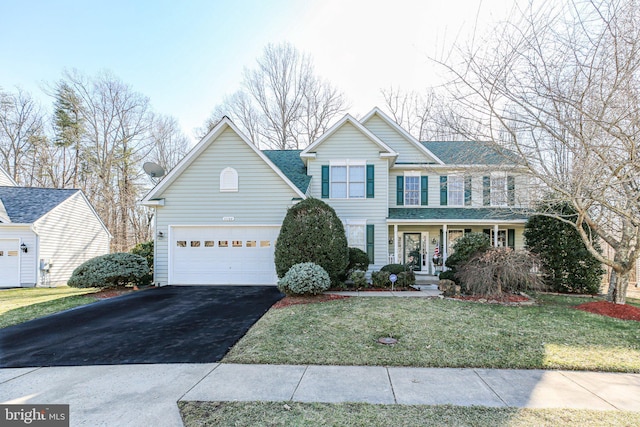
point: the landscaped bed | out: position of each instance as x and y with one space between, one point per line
443 333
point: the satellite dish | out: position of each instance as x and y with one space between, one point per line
153 170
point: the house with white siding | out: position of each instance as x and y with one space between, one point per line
6 179
45 233
219 211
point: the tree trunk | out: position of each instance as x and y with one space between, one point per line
618 284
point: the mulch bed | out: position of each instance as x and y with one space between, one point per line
294 300
606 308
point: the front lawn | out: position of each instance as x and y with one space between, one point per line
442 333
362 414
23 304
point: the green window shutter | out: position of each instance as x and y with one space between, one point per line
400 190
325 181
424 190
370 242
486 190
511 190
443 191
467 191
370 181
511 238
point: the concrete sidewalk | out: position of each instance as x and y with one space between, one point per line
134 395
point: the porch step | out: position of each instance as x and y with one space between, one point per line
426 279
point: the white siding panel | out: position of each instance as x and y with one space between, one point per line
407 152
349 143
25 235
69 235
194 198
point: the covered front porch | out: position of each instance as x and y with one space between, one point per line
424 241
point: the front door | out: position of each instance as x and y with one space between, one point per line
9 263
413 250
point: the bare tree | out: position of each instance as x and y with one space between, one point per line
282 104
412 111
21 131
559 85
170 144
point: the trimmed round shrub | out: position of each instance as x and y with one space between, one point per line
359 279
380 279
145 250
108 271
406 279
312 232
394 268
447 275
305 278
358 260
466 247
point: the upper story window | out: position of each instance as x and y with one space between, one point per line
498 189
229 180
455 184
347 180
412 188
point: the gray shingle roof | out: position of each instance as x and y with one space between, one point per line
489 214
26 205
290 163
469 152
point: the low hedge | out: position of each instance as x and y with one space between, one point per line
108 271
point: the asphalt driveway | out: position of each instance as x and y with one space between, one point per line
172 324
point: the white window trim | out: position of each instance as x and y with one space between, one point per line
357 223
449 192
347 163
404 196
229 185
494 176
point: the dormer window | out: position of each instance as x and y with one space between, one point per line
228 180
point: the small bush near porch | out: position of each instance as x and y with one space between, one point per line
443 333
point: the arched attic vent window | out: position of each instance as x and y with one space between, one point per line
228 180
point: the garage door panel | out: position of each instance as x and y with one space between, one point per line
223 255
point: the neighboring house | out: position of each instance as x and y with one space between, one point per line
45 234
6 180
219 211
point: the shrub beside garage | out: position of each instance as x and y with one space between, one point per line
110 271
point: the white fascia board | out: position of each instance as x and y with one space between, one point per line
357 125
410 138
152 203
201 147
456 221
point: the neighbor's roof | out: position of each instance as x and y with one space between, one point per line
25 205
444 214
290 163
469 152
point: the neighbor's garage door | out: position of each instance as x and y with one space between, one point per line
223 255
9 263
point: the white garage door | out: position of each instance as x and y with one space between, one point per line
9 263
223 255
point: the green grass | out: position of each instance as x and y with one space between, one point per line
442 333
366 415
23 304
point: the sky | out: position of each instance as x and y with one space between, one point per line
187 55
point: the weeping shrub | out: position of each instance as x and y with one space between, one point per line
499 270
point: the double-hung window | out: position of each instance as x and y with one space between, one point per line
356 234
455 184
412 188
348 179
498 189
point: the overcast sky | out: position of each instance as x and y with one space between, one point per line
187 55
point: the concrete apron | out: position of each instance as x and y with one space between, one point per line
133 395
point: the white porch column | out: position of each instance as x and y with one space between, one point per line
495 236
444 245
395 243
